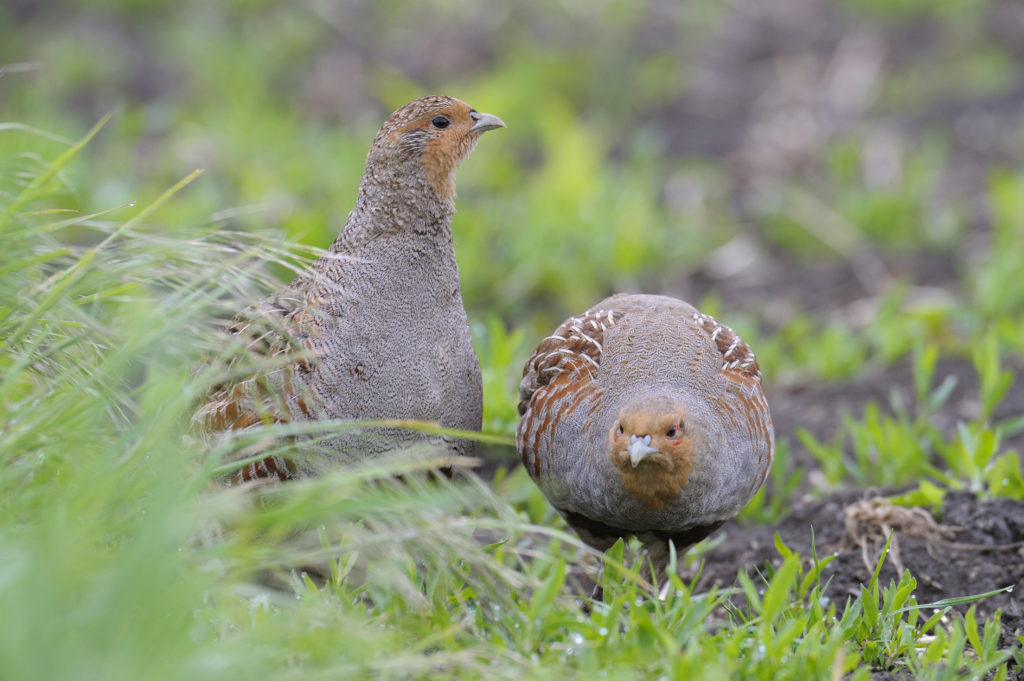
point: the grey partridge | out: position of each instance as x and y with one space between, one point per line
375 328
643 417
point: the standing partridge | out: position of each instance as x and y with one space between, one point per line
643 417
375 328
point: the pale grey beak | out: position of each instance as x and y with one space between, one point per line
639 449
485 122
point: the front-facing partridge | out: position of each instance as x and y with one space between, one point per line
376 328
643 417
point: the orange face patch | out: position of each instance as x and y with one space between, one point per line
447 140
663 460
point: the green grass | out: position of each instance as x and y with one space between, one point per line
893 450
121 552
122 558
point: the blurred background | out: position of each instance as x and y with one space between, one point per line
840 181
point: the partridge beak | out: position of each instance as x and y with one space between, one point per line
485 122
639 449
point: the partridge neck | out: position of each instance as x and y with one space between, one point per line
406 208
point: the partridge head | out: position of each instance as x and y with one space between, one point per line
376 328
652 449
426 140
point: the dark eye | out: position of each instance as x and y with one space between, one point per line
621 429
671 432
441 122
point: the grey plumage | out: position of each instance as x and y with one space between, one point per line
376 328
633 368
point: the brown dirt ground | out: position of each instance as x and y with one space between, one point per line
983 551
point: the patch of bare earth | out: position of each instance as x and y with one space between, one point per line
977 547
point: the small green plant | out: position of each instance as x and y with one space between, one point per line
928 400
996 291
993 380
892 450
884 450
500 350
829 351
974 461
889 630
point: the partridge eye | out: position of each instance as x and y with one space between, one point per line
671 432
621 429
441 122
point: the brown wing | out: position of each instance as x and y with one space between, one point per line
558 377
744 403
737 357
276 337
575 346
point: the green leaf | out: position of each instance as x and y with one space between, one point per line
38 184
956 600
781 547
971 629
750 592
903 590
869 601
545 595
814 575
776 596
927 495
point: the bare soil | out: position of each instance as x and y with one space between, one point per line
983 550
